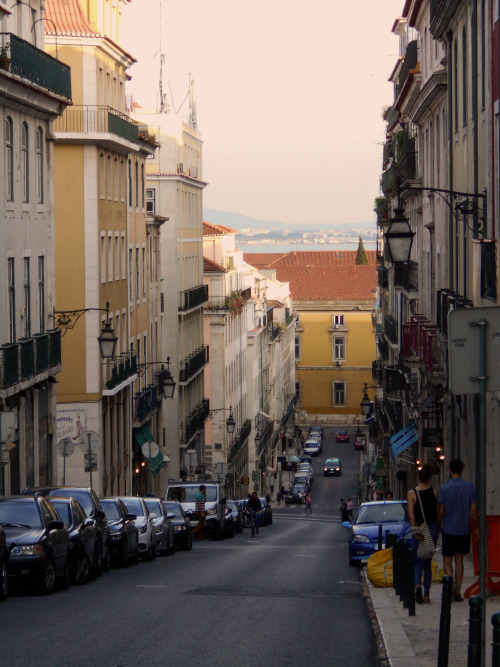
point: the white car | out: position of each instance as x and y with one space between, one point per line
144 525
312 446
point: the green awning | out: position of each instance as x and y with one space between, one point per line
139 436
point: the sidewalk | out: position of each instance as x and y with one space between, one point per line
413 641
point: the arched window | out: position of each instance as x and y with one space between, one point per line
39 165
9 159
25 165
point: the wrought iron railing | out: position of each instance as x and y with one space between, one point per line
240 440
120 369
406 276
391 329
191 298
195 420
193 363
409 63
28 357
145 402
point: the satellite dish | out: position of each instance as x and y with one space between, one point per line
89 440
303 413
150 449
66 447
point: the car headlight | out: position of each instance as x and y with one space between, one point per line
325 469
143 529
28 550
116 536
178 528
158 529
360 538
212 511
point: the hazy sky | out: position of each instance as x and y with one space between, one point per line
289 98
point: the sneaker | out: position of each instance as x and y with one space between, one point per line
419 598
457 597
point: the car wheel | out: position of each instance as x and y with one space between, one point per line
4 580
48 579
172 548
82 570
123 559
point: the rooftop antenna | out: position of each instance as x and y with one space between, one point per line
163 97
192 104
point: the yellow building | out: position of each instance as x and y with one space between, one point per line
102 254
334 301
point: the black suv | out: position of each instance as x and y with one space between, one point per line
38 542
91 506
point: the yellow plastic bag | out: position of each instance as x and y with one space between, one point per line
379 568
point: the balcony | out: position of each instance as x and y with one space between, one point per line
274 332
378 371
120 369
391 329
382 346
194 297
36 66
383 277
193 364
420 344
89 119
406 276
409 63
441 13
145 402
289 317
29 357
388 180
240 439
394 381
195 420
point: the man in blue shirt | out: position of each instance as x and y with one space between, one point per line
456 507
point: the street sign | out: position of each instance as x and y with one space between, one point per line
245 480
150 449
463 349
93 462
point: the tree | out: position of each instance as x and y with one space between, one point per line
361 257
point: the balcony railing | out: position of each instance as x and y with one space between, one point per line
274 332
420 344
33 64
195 420
191 298
240 439
388 180
378 371
383 347
391 329
409 63
145 402
406 276
394 381
194 363
383 277
90 118
29 357
120 369
289 317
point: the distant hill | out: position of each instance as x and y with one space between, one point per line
239 221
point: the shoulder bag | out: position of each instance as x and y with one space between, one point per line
426 547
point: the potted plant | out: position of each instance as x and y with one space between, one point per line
4 58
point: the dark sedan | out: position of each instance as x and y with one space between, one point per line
82 539
332 467
182 527
38 542
4 559
124 538
237 515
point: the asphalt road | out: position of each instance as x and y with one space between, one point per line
285 597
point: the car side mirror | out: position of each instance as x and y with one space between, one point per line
88 523
131 517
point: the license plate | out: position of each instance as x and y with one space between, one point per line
193 524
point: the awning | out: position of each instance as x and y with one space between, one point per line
142 435
403 439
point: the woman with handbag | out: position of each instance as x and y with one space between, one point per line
422 512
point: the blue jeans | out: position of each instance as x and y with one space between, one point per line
424 565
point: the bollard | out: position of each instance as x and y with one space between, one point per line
390 539
396 561
404 573
475 620
495 644
444 622
380 537
411 581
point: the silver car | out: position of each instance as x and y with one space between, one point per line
163 526
144 525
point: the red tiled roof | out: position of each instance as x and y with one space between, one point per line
65 17
212 267
216 230
272 260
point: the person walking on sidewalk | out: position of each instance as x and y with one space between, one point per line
427 502
199 532
308 503
350 508
456 507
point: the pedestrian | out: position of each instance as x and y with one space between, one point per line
199 532
268 499
343 511
389 496
422 507
308 503
349 507
278 497
457 509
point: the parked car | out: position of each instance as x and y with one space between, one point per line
124 543
215 502
164 528
144 525
302 480
297 494
342 436
312 446
82 538
230 527
182 529
332 467
306 458
316 429
391 515
37 540
360 443
4 561
305 467
91 506
267 512
237 514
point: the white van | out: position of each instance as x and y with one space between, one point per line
215 505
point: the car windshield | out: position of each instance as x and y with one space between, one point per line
63 511
24 515
187 494
154 506
298 489
134 506
382 513
341 432
232 504
110 510
332 462
174 508
82 497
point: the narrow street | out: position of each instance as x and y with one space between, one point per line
287 596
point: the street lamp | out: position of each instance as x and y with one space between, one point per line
164 377
399 236
365 402
66 319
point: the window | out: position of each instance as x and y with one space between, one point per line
464 75
137 273
130 283
27 298
25 157
110 257
130 182
39 165
103 258
455 78
144 272
137 184
143 186
338 348
12 299
9 158
338 320
339 393
41 294
102 176
483 54
298 392
298 350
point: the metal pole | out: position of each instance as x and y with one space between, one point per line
481 454
89 438
495 644
475 622
444 622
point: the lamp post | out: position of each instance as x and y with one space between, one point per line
399 236
66 319
164 376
